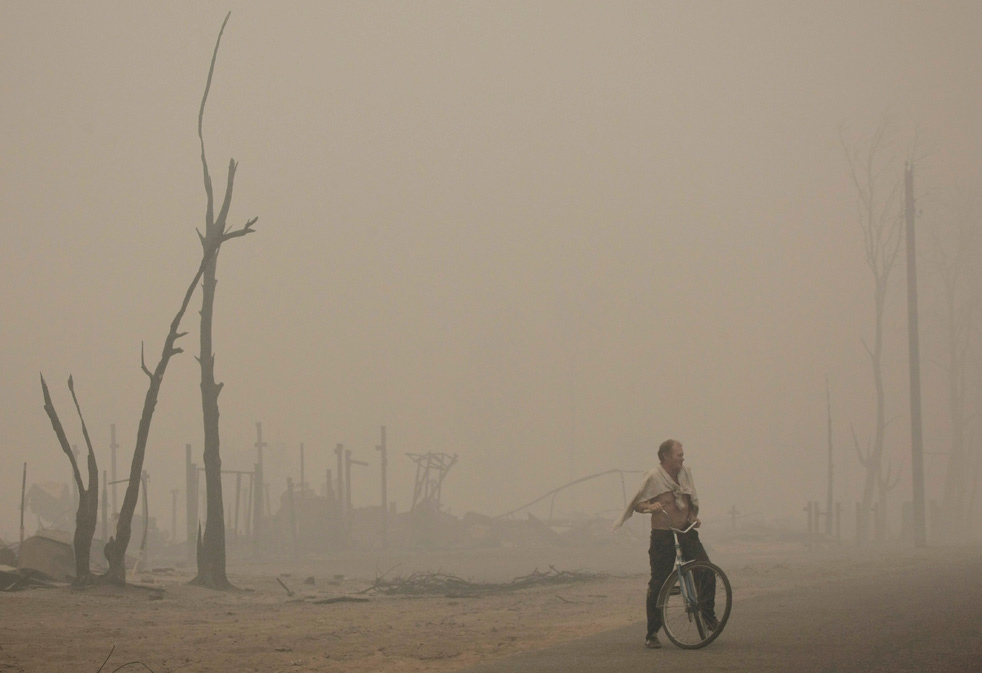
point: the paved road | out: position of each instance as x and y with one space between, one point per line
921 617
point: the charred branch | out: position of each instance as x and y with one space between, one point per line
88 498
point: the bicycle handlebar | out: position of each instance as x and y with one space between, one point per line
676 530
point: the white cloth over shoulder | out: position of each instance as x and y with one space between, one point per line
657 481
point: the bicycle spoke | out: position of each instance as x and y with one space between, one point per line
695 607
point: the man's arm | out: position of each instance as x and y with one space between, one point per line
648 506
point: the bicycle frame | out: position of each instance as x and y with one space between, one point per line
685 583
694 613
689 595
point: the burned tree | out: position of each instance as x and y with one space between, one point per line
88 498
211 546
880 224
116 547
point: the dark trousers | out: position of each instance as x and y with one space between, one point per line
661 557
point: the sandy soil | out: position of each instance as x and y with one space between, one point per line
173 627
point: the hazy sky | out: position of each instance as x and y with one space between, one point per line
544 236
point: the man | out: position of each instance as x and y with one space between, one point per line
668 493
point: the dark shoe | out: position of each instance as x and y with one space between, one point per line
652 642
710 622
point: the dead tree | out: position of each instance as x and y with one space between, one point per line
88 498
116 547
885 481
211 554
880 224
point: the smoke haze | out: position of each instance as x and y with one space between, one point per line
542 236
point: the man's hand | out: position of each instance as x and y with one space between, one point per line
649 507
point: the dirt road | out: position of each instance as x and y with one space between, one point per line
917 615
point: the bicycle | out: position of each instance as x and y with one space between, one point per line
695 600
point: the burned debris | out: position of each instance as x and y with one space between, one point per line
452 586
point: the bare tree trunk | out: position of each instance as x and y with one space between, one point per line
885 482
211 556
116 547
88 498
874 460
881 231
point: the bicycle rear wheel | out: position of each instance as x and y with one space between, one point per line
695 605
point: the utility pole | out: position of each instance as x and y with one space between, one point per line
238 491
173 514
23 488
348 462
257 512
105 507
828 501
302 482
913 339
385 499
347 480
191 503
144 552
342 510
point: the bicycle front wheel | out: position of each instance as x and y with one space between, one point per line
695 604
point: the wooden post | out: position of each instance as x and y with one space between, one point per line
146 521
191 504
332 502
105 508
302 482
228 510
812 523
257 512
173 514
249 508
293 516
112 447
347 482
385 500
339 450
23 491
238 491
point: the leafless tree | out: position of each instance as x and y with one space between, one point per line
211 547
877 182
88 498
116 547
886 480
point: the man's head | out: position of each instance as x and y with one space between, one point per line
670 455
